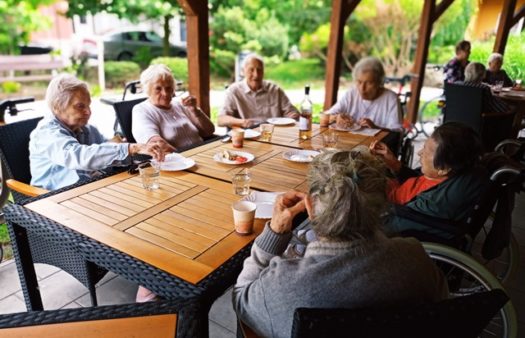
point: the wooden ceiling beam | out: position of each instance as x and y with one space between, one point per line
341 10
517 16
198 51
440 9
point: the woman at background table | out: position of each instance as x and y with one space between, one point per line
454 70
64 148
448 184
346 197
494 73
164 120
368 103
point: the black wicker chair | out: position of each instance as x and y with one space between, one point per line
124 109
14 154
462 317
158 319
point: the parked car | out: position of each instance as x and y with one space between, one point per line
125 44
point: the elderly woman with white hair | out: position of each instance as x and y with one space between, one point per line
164 120
368 103
351 265
494 73
64 148
474 74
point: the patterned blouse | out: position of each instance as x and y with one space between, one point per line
454 71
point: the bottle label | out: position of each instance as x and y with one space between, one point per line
303 123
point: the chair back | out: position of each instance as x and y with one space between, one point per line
158 319
463 104
14 149
123 109
462 317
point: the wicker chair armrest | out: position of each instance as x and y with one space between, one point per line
24 188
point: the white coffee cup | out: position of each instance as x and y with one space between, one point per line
244 216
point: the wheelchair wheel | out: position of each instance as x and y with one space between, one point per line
505 266
466 276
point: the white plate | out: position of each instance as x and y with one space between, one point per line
281 121
264 202
303 156
249 133
355 127
218 157
176 162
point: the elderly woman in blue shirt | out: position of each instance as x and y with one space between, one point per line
65 149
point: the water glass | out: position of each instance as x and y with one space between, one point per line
330 139
241 182
498 86
150 173
266 132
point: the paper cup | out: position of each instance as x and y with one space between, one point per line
243 217
237 138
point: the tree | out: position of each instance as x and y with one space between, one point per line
133 10
19 19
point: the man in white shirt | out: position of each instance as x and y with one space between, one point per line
368 103
253 100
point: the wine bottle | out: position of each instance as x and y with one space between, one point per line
305 120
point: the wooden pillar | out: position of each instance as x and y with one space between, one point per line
517 17
429 15
198 50
505 24
341 10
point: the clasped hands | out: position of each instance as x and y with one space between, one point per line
345 120
286 207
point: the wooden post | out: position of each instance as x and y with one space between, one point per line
505 21
198 50
341 10
517 16
425 28
429 15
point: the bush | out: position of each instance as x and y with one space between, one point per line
178 66
119 72
296 71
222 63
10 87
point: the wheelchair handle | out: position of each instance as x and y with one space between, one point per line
10 105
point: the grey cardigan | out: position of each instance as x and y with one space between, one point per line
331 274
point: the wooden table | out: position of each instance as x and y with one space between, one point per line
185 228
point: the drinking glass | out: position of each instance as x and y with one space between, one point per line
498 86
266 132
150 173
241 182
518 83
330 139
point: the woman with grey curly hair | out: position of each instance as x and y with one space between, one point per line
368 103
352 264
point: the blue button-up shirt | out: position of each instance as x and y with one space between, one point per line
60 157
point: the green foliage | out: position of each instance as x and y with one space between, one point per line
178 66
143 57
297 72
233 31
4 234
117 73
222 63
18 20
450 28
514 58
10 87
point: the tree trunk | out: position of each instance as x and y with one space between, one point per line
166 39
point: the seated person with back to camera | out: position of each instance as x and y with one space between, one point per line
64 149
251 101
162 119
368 103
448 185
346 196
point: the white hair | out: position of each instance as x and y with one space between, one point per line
61 90
474 72
495 56
251 57
370 64
153 74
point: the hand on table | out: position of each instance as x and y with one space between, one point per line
165 146
292 115
249 123
286 207
367 123
154 150
344 121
